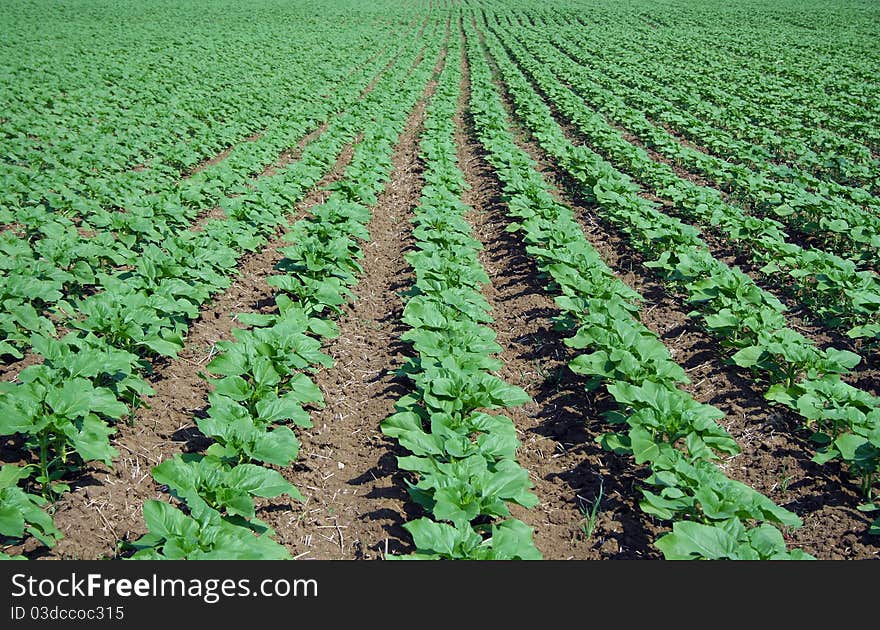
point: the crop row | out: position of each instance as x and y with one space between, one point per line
748 322
777 157
833 288
52 271
667 429
844 225
464 458
264 381
836 119
63 409
72 115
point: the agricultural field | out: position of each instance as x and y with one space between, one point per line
458 279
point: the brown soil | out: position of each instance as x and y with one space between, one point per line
201 166
11 370
168 426
356 496
206 216
866 375
738 255
558 429
775 458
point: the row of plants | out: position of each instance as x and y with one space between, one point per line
57 261
748 322
819 106
686 114
462 456
847 227
832 288
63 409
73 133
264 381
663 427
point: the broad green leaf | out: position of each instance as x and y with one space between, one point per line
92 441
163 347
11 520
748 357
689 541
430 536
262 482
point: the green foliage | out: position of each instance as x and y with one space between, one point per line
463 458
746 319
668 430
263 383
135 302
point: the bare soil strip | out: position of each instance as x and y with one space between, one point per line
558 429
293 154
347 469
208 162
168 426
723 249
799 316
775 458
11 370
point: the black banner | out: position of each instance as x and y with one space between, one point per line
120 594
